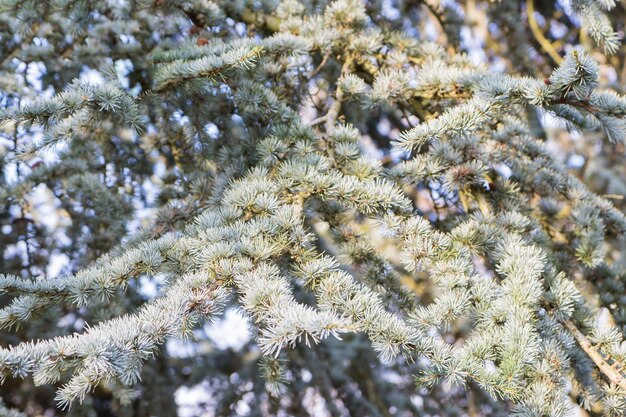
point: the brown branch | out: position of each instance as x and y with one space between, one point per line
607 369
317 121
335 107
538 34
314 72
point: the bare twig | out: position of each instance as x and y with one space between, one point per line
314 72
335 107
317 121
538 34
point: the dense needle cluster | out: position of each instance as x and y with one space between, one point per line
394 220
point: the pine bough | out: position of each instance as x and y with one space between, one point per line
294 227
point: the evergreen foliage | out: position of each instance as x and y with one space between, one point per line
401 225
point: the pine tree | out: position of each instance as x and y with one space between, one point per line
390 194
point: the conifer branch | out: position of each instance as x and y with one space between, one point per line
423 222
